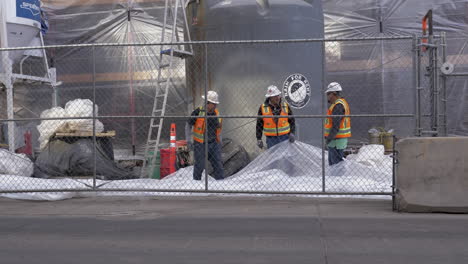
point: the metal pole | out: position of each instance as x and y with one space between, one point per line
9 93
186 27
435 76
130 69
431 84
324 105
444 131
394 163
52 77
382 73
94 118
417 81
205 141
458 74
7 78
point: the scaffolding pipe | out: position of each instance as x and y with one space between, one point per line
7 80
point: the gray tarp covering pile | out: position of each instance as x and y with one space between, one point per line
75 158
233 156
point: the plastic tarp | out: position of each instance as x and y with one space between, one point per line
300 160
15 164
75 158
392 80
107 21
299 171
378 90
119 21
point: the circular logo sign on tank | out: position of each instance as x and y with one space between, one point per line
296 90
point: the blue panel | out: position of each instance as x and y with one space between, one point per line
30 9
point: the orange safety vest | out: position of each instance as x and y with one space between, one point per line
199 127
345 124
270 128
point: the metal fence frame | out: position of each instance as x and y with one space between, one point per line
95 187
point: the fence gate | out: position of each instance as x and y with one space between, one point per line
432 70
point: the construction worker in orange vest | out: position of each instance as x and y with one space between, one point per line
197 137
276 124
337 129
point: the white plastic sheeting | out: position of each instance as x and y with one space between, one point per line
392 80
107 21
74 108
381 89
15 164
290 167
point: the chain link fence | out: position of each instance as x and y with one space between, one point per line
89 130
454 86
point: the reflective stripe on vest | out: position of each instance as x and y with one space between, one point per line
270 128
199 127
345 124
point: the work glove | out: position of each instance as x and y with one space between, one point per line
292 138
260 143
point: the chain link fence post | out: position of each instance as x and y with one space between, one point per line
324 111
205 102
93 52
417 83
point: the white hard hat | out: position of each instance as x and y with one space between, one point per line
334 87
272 91
212 97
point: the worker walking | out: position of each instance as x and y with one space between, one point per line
196 137
337 129
276 123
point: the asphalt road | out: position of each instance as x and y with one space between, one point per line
226 230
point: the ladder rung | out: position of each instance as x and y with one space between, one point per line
177 53
166 65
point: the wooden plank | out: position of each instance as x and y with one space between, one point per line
86 134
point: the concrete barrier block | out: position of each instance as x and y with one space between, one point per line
432 174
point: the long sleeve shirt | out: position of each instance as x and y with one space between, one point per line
276 112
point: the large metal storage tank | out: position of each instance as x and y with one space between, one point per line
242 73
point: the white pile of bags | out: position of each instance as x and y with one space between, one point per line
74 108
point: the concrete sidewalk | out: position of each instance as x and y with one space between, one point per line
226 230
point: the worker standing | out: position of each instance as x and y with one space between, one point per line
276 123
337 129
197 138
